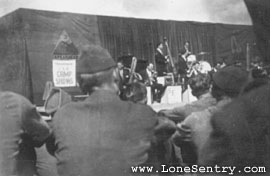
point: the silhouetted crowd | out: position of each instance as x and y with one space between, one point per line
228 125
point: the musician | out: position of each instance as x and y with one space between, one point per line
193 70
123 72
182 59
182 64
123 78
161 60
185 51
149 76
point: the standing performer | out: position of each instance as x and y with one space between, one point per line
103 135
185 52
161 60
182 63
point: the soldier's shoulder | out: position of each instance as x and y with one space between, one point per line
69 107
142 109
12 97
9 94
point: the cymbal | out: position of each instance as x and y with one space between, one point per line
203 53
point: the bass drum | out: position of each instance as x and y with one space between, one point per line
204 67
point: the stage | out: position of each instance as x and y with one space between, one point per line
172 97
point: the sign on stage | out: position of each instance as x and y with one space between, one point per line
64 73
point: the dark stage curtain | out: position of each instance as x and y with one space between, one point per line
29 37
139 37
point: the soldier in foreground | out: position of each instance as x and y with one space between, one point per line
102 135
21 130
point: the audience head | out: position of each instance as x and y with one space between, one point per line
137 93
200 84
240 132
220 63
228 82
254 84
259 73
227 60
96 70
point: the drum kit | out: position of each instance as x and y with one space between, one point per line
198 65
202 56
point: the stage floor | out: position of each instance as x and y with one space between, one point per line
159 106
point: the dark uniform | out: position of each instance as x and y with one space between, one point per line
124 75
102 135
161 63
240 134
21 129
182 66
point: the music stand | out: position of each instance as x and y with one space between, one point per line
169 79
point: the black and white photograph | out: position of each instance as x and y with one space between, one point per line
134 87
